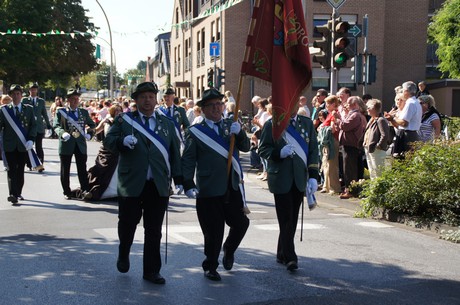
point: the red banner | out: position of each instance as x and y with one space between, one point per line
278 53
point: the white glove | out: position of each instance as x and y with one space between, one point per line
29 145
286 151
312 185
87 136
130 141
65 136
235 128
179 189
191 193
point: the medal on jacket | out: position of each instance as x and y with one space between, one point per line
75 134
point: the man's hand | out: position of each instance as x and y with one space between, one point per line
312 185
88 136
130 141
29 145
179 189
286 151
65 136
192 193
235 128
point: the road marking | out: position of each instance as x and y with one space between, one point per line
374 225
338 214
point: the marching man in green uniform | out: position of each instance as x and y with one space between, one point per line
149 157
219 200
41 115
70 126
292 171
17 121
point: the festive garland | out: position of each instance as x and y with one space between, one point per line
52 32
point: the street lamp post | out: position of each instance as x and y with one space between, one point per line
111 51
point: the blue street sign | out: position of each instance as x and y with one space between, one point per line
214 49
356 30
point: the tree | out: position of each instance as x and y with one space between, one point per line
53 58
444 30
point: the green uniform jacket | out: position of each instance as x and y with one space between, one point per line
11 140
282 173
41 115
61 125
134 163
211 167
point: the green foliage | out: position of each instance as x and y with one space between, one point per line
425 185
444 30
54 58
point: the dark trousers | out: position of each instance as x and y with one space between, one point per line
16 161
213 213
287 211
80 160
351 162
130 210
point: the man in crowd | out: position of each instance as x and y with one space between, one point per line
303 104
219 196
70 125
321 95
176 113
351 127
41 116
17 121
149 158
292 170
410 119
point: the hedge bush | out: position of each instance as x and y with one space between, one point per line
425 185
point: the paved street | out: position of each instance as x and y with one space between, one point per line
56 251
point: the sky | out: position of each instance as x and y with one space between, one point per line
134 25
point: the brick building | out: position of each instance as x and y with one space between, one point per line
397 35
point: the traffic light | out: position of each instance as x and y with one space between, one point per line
220 78
210 78
371 68
324 44
341 42
357 69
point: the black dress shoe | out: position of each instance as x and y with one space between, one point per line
67 197
155 278
123 265
213 275
291 266
228 261
13 199
20 197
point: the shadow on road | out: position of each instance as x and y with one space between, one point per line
47 269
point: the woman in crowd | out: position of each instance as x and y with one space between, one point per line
400 102
376 138
328 141
259 121
431 119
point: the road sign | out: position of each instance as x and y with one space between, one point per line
214 49
336 3
355 30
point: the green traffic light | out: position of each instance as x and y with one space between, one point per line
340 58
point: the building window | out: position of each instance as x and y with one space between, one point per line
213 36
218 29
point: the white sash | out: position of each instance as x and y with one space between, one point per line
217 147
163 150
297 148
34 161
72 121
